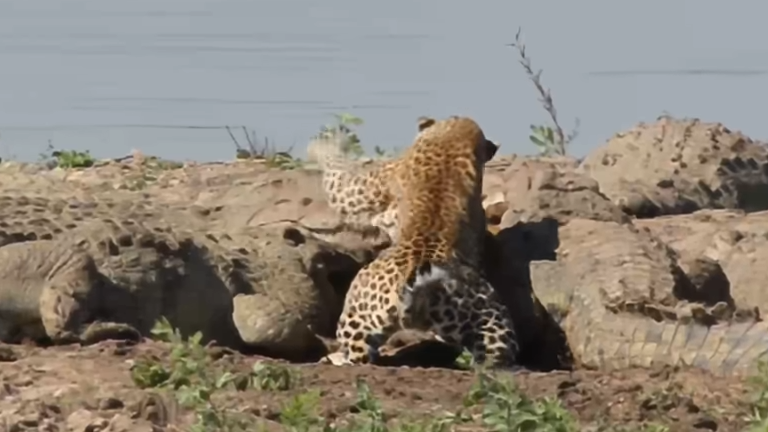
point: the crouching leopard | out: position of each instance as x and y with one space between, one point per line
429 279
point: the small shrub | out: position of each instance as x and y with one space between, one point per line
344 129
506 409
66 158
758 420
351 144
193 379
300 413
272 377
465 360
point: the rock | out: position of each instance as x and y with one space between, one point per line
110 403
123 423
83 420
674 166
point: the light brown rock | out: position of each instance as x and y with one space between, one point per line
83 420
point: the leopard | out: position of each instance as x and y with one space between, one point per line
363 193
430 278
359 192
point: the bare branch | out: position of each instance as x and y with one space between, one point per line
231 135
545 96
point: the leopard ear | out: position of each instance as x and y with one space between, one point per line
425 122
490 149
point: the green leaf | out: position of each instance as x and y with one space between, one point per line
196 338
204 394
350 119
550 135
537 141
258 367
225 379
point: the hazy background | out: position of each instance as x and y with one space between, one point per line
110 76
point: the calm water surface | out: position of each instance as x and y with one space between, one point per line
164 76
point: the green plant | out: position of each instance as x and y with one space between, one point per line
66 158
272 377
193 378
550 140
506 409
369 407
344 129
189 375
758 419
465 360
300 413
651 427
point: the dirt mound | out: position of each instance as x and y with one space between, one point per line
91 389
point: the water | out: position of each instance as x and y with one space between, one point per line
165 76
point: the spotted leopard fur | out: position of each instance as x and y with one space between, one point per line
430 278
359 192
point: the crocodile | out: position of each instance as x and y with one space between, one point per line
115 271
50 291
626 303
679 165
289 295
261 290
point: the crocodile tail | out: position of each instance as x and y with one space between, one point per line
623 341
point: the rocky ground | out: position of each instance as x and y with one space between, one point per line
639 268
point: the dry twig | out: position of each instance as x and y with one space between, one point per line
254 150
561 140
